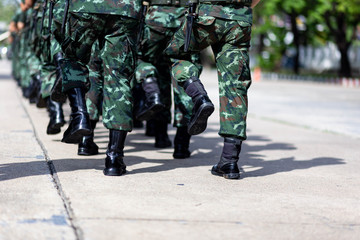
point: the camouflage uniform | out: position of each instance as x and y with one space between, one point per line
226 27
114 24
15 46
50 47
162 22
94 96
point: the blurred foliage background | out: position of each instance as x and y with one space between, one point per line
298 37
293 35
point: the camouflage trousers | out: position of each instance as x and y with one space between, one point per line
116 36
230 42
94 96
50 46
161 24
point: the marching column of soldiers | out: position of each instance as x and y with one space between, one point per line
119 60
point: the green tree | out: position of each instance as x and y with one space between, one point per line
285 16
7 10
341 19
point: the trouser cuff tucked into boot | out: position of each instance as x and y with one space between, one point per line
79 125
152 103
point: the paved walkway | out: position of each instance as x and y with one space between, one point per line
299 180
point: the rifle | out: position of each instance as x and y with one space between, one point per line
43 15
144 9
190 18
67 5
51 15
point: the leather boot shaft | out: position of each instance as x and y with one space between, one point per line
194 88
79 119
181 143
227 166
161 136
87 146
77 100
56 116
202 108
116 142
152 104
231 150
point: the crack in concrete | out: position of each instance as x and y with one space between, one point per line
69 211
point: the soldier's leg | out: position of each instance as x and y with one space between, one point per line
94 97
234 81
182 115
54 109
163 117
83 33
186 73
147 74
117 103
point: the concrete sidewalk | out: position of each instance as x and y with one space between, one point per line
297 182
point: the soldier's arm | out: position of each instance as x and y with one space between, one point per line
254 3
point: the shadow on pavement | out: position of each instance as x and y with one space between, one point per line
205 152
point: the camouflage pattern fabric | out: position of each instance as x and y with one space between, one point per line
94 96
50 46
127 8
227 29
117 40
160 25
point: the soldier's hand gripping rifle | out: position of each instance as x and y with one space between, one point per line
144 9
190 19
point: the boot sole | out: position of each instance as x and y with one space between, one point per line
181 156
149 113
199 122
227 175
113 172
86 152
76 136
55 128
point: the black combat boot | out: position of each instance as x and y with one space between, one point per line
161 136
79 125
181 143
56 116
56 92
227 166
34 87
114 164
150 128
87 146
203 107
40 101
152 103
